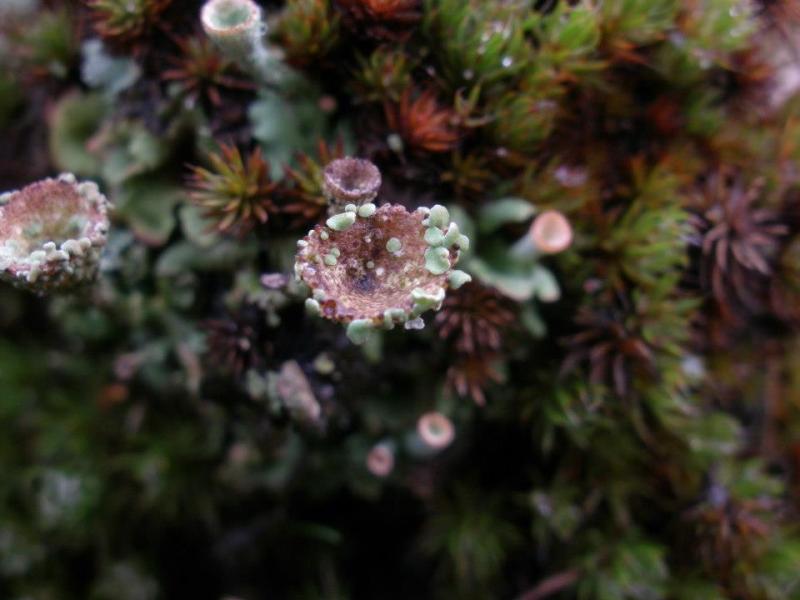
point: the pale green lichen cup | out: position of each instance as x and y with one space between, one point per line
235 26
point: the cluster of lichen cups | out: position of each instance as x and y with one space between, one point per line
371 267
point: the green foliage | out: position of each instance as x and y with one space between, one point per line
129 149
777 574
711 437
638 21
695 589
147 204
125 19
647 243
571 408
308 30
479 43
567 40
711 31
48 44
107 73
285 124
522 121
383 75
471 539
76 120
558 514
10 97
629 568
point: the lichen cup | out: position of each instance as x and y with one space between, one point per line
373 267
52 233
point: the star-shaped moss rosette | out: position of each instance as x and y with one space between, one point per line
52 233
373 267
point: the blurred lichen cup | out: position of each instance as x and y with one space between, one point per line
52 233
236 27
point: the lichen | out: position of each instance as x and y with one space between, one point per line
370 269
435 430
235 25
551 232
237 28
52 233
351 180
341 221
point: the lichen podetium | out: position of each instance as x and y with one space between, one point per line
52 233
373 267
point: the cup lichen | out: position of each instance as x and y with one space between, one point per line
380 267
52 233
237 28
351 180
551 232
